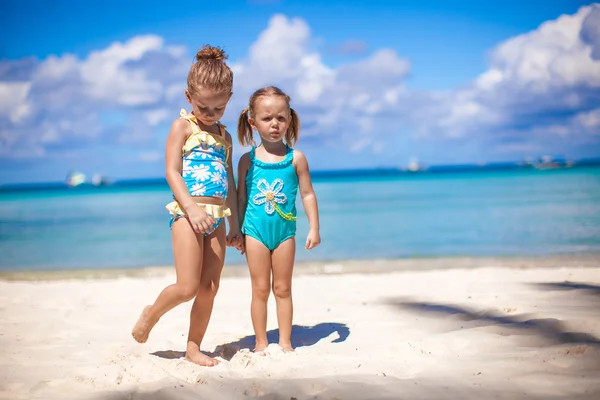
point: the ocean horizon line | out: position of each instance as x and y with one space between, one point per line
384 171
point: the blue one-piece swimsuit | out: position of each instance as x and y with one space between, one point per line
271 208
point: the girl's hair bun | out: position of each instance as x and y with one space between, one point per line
211 53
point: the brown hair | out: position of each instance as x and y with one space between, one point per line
245 129
210 71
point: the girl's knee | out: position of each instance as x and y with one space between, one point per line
282 290
208 289
187 292
261 291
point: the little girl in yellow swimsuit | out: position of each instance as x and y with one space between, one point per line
268 181
199 172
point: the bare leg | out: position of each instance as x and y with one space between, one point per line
212 265
187 253
259 264
283 267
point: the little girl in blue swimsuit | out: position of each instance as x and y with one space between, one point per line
270 176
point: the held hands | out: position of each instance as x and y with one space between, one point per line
312 240
201 222
235 239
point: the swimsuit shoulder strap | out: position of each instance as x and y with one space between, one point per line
191 119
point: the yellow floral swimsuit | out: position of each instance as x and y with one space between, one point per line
204 171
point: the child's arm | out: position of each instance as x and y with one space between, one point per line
199 219
234 236
309 199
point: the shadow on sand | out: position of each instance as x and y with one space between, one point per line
567 286
301 336
550 329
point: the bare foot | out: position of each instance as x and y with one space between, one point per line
260 349
193 354
143 326
286 347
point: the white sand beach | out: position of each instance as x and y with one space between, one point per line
416 329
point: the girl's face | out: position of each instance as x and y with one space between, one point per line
271 118
207 105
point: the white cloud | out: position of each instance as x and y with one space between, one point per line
281 56
552 56
535 82
154 117
383 64
64 96
108 76
590 119
281 46
57 68
332 102
13 100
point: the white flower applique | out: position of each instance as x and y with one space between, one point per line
198 189
269 195
187 167
201 172
219 179
218 166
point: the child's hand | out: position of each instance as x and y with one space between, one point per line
201 222
313 240
231 237
235 239
240 243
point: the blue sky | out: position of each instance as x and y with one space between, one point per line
94 86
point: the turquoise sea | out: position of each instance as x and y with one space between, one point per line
484 213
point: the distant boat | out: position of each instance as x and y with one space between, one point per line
99 180
548 162
75 179
414 166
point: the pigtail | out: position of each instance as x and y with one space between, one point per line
291 136
245 129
